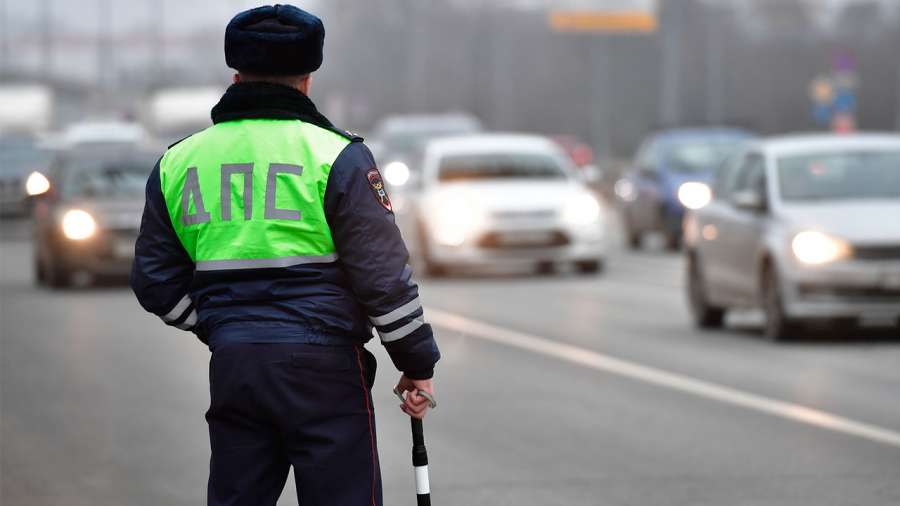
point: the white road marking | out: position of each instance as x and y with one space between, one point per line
662 378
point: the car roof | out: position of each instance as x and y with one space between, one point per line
102 132
106 153
826 142
492 143
680 134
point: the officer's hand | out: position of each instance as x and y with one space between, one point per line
415 405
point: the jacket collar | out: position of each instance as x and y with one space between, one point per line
259 100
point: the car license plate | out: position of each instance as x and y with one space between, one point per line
891 280
526 239
123 249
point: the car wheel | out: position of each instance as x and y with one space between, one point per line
844 327
673 241
40 273
431 268
589 266
545 268
705 315
778 326
633 239
57 276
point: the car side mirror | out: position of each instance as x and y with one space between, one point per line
648 173
591 174
749 200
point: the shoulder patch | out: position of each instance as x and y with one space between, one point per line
378 189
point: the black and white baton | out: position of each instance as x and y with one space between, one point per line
419 454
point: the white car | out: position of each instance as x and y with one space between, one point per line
504 201
806 227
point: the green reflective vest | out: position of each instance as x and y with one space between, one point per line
250 193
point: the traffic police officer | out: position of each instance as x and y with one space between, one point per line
269 235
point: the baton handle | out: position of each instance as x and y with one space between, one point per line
420 463
431 402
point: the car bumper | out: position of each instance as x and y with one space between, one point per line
476 253
105 255
867 290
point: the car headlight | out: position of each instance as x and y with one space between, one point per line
396 173
694 195
456 218
625 190
78 225
816 248
37 184
581 210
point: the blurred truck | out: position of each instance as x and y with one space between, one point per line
25 108
174 113
26 112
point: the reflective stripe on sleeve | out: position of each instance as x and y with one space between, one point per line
264 263
178 310
395 335
397 314
189 322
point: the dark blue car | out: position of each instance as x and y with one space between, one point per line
672 172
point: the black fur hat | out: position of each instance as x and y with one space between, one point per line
279 40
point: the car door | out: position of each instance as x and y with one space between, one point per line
742 230
710 222
645 208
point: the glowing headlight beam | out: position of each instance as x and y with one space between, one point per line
625 190
816 248
582 210
456 217
396 173
37 184
694 195
78 225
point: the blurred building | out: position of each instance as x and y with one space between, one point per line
745 62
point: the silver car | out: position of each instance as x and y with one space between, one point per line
805 227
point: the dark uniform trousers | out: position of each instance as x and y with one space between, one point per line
274 406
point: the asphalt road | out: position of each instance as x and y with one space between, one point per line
556 390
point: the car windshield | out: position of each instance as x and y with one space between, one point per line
700 155
838 176
106 178
500 166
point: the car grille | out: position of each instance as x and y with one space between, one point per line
523 240
540 214
877 252
850 292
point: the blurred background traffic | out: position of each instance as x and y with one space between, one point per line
626 176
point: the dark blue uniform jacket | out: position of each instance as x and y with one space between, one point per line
330 303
